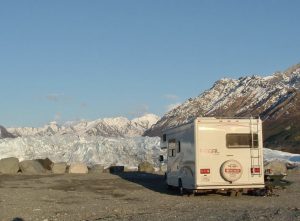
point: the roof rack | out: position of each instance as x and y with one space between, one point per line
251 117
219 118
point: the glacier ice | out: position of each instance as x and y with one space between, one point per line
88 149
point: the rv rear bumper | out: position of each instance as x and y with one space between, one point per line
243 186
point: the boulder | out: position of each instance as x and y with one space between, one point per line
130 169
146 167
46 163
9 165
78 168
32 167
295 170
275 167
59 168
163 168
106 170
98 168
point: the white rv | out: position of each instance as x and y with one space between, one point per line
215 154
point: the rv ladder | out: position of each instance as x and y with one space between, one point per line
255 154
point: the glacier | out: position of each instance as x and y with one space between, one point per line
108 141
93 150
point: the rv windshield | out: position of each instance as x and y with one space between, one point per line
241 140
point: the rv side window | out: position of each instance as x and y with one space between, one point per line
241 140
172 147
178 147
164 138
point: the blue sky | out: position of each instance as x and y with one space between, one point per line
66 60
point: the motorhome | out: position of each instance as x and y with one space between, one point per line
215 154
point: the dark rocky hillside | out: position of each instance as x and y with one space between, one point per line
4 133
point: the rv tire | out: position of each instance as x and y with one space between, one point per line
232 193
235 193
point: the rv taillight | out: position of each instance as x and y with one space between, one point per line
255 170
204 171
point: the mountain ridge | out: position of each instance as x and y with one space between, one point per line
106 127
274 98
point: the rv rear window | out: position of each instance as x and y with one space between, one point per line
241 140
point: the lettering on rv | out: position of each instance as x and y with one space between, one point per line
213 151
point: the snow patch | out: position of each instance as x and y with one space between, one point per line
270 155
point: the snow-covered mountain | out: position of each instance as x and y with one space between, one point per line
107 127
276 99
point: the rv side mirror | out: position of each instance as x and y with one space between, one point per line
161 158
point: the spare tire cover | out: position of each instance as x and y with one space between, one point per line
231 170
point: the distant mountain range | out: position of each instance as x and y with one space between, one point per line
276 99
107 127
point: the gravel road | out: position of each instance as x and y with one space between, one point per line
132 196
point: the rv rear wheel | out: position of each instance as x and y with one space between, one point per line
235 193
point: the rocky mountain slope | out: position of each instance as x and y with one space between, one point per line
107 127
4 133
276 99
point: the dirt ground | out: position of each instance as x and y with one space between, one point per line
132 196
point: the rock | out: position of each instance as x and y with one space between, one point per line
116 169
59 168
5 134
78 168
126 169
9 165
291 166
163 168
97 169
46 163
295 170
146 167
32 167
106 170
275 167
